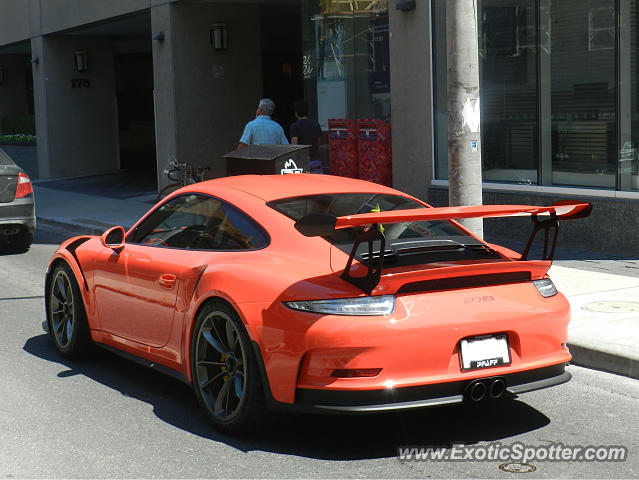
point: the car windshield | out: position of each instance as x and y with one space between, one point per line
407 243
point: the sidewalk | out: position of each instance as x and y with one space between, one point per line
604 331
91 205
603 290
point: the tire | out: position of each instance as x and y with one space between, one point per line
226 379
66 314
168 190
21 241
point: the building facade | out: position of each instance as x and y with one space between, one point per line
131 84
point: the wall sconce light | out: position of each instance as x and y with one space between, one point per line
1 74
219 38
35 60
158 37
406 5
81 61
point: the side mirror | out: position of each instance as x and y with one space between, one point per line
113 238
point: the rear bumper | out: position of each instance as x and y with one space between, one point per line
20 212
417 345
371 401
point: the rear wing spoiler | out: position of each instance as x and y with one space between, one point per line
543 218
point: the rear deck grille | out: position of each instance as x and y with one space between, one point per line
387 253
467 281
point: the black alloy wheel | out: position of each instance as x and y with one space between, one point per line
224 369
66 314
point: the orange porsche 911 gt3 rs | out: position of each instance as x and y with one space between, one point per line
316 293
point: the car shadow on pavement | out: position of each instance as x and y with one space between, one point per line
7 250
329 437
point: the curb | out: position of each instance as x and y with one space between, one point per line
74 228
607 362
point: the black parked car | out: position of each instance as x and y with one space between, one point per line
17 206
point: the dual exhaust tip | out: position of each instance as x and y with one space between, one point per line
481 388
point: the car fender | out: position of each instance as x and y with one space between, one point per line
213 285
205 290
189 324
66 253
196 296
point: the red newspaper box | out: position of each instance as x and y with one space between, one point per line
375 151
342 147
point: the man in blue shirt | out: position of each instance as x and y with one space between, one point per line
263 130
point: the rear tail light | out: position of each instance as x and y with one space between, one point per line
25 187
376 305
545 287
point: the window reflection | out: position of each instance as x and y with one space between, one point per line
583 91
558 80
508 70
346 58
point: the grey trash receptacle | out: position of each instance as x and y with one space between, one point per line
268 160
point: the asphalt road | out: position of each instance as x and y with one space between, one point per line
107 417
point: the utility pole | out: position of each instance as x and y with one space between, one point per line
464 143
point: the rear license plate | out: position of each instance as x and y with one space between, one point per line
484 352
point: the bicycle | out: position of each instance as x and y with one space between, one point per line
182 174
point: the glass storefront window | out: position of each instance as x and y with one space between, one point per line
583 93
508 73
508 82
346 59
556 80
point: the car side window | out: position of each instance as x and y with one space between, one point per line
199 222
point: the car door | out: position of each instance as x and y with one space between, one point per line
136 288
136 292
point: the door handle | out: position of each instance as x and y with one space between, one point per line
167 280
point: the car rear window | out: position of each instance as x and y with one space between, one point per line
407 243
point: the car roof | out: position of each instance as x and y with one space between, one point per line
272 187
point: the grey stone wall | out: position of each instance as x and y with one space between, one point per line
21 20
14 21
203 97
60 15
76 121
410 63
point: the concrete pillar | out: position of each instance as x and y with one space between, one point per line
13 89
411 98
203 97
76 113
